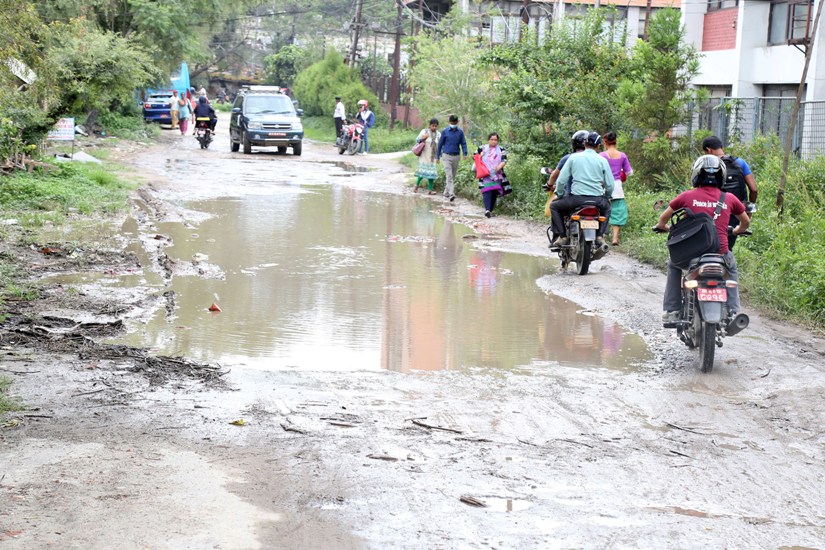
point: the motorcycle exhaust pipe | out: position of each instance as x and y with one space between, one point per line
601 251
738 324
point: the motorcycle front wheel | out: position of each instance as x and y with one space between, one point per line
353 147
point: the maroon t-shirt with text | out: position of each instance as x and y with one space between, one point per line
704 199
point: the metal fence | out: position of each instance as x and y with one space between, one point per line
743 119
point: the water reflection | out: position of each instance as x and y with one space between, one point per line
331 277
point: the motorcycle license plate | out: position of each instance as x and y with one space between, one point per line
589 224
712 294
276 134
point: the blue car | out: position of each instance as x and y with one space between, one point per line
156 108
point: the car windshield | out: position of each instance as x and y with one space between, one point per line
272 104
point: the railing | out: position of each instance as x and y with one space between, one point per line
742 119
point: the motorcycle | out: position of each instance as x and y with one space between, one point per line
350 138
705 318
582 226
203 131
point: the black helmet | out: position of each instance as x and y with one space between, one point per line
594 139
578 139
708 170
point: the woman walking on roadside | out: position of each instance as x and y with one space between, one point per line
184 113
494 158
428 159
621 169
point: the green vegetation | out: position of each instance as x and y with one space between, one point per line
6 403
317 85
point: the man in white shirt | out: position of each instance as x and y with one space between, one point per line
174 106
339 115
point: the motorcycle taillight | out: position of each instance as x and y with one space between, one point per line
589 211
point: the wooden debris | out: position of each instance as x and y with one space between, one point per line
434 427
388 458
472 501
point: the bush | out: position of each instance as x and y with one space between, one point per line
317 85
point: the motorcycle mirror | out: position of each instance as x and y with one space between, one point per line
546 171
660 205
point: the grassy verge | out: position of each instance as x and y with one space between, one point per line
222 107
130 127
6 403
381 139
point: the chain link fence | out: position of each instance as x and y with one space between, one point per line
743 119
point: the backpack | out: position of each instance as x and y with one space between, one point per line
735 180
692 235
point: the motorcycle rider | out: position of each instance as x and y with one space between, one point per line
708 176
577 144
592 181
205 110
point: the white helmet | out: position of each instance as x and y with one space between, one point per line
708 170
363 102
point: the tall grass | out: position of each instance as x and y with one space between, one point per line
6 403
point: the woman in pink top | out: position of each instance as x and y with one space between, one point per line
621 169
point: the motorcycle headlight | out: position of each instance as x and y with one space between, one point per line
297 126
255 126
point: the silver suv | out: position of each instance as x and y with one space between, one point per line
263 116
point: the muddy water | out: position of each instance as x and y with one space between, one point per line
332 277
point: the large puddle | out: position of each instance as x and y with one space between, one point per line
330 277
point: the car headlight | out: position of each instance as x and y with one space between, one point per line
255 126
297 126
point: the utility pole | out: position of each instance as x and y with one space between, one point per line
647 19
356 32
396 67
780 192
525 19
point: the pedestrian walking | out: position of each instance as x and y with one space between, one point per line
184 114
428 159
621 169
174 106
339 116
450 147
367 118
491 186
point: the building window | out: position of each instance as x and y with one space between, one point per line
714 5
790 21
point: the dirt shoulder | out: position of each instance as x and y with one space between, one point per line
118 449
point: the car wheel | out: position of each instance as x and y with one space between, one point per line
296 149
233 146
247 145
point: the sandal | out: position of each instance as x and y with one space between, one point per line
615 243
415 189
432 193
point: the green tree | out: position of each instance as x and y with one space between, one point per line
562 83
657 89
317 85
282 67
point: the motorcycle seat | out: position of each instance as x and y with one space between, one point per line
708 259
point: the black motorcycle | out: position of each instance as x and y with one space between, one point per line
582 227
705 319
203 131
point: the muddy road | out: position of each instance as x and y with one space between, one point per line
388 371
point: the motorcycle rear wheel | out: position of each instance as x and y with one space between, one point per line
707 346
583 257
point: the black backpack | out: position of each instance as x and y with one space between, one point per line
735 180
692 235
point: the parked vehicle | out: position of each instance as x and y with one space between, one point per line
351 138
157 108
203 131
705 319
582 226
264 116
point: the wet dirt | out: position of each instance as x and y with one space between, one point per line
558 455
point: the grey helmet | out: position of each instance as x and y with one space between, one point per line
708 170
578 139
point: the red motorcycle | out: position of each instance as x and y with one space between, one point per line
350 139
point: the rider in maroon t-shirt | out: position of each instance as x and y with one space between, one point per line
708 177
